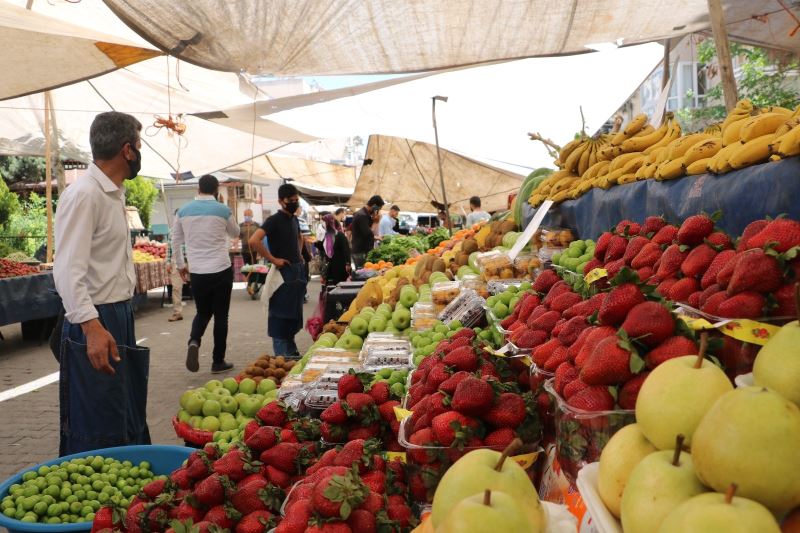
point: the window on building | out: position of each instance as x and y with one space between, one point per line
688 89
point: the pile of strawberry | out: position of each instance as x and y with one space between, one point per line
695 264
352 489
462 398
363 411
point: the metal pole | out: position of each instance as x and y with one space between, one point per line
48 177
448 222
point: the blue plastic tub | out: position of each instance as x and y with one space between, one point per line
163 460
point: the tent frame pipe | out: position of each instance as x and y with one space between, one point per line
48 173
447 221
723 53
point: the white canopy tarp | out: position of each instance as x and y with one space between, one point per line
41 52
144 91
312 37
406 173
314 176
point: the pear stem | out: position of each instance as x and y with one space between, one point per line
676 458
701 353
487 498
511 448
797 299
730 492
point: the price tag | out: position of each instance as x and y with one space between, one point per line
595 274
401 414
396 456
533 225
526 460
697 324
750 331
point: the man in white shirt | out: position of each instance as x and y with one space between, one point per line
206 226
389 222
103 374
476 213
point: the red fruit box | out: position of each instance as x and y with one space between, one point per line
582 435
190 435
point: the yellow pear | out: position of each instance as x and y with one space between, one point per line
489 512
620 456
751 437
777 364
713 512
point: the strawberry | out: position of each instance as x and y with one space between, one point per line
630 391
628 227
235 465
717 264
665 235
335 413
211 490
575 347
272 414
592 399
572 329
545 280
652 225
186 511
530 338
153 489
726 272
755 271
583 308
783 232
439 374
602 244
645 273
694 229
332 432
358 451
508 411
671 261
711 305
559 355
463 358
565 373
591 265
359 402
459 342
256 522
182 479
647 255
597 334
682 289
672 347
386 410
284 456
616 248
556 290
107 517
573 388
362 521
473 396
421 439
466 333
694 299
650 323
665 286
135 517
618 302
698 260
786 305
250 428
329 527
256 495
747 304
364 432
750 231
337 496
564 301
373 502
450 384
614 267
543 352
719 240
529 302
634 247
316 477
265 437
609 364
222 516
452 427
499 439
325 460
546 322
375 480
380 392
706 294
400 513
348 383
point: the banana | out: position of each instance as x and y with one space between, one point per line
683 144
594 170
670 169
583 163
635 125
560 197
739 112
752 152
658 155
640 142
777 109
673 133
787 144
633 164
650 171
761 125
571 164
713 129
702 150
563 184
647 130
607 153
700 166
641 172
719 163
566 150
612 176
626 178
621 160
786 126
730 134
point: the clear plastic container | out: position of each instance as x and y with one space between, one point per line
495 265
477 284
555 237
468 309
527 266
545 253
423 316
320 398
445 292
500 285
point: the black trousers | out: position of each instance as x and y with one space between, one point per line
212 297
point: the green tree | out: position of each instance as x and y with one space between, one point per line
9 203
29 225
762 79
22 169
141 193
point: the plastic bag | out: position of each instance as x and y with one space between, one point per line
316 321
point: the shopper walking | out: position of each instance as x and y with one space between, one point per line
389 223
335 253
246 230
206 226
103 374
476 214
285 315
175 280
362 236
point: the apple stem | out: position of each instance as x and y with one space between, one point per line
701 353
676 458
487 498
511 448
729 493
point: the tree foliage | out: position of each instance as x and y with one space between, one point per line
141 193
22 169
28 225
9 204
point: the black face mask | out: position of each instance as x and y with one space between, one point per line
375 208
291 207
134 166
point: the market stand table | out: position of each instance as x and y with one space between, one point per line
30 300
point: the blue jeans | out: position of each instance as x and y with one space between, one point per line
285 347
98 410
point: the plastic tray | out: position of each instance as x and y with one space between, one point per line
321 398
602 519
163 460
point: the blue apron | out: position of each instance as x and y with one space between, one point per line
286 304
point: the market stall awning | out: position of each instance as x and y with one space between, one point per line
40 52
309 37
406 173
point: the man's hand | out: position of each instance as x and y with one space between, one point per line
169 268
101 347
278 262
184 272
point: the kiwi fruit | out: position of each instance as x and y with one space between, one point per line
469 246
438 266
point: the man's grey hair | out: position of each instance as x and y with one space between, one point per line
110 131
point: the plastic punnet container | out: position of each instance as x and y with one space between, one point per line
581 435
527 265
602 519
467 308
495 265
445 292
474 282
163 460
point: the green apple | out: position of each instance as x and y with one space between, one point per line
478 471
266 385
228 404
269 399
230 385
250 406
352 342
184 401
401 319
619 457
491 300
441 328
220 393
751 437
327 339
227 423
210 423
491 510
378 323
777 365
196 422
408 296
513 303
248 386
657 485
184 416
194 404
720 512
244 421
359 326
676 396
500 310
456 325
240 397
211 408
384 308
213 384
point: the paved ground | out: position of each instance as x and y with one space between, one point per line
29 422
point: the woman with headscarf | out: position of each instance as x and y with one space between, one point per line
335 252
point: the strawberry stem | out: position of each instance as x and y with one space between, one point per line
512 446
730 492
487 498
676 458
701 353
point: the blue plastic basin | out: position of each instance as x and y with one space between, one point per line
162 459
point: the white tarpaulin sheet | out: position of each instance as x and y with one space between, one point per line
40 52
313 37
337 180
406 173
